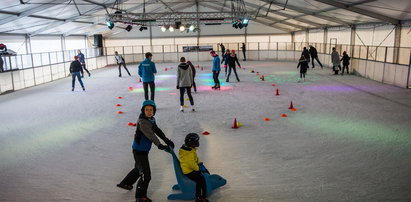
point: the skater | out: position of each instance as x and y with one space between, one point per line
184 82
243 49
145 135
193 69
216 69
303 64
75 69
314 55
232 59
3 51
225 60
81 59
335 59
222 49
191 165
346 61
121 61
306 54
146 70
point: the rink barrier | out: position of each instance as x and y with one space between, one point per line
384 64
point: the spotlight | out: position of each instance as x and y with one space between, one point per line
240 25
110 24
191 28
163 29
245 21
182 28
235 26
171 29
129 27
142 28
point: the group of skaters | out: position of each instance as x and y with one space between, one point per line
304 61
76 69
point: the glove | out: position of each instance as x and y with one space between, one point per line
177 87
225 66
169 143
202 168
164 147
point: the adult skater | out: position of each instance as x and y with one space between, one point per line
222 47
225 60
184 82
244 50
81 59
146 70
231 65
335 59
193 69
3 51
121 61
303 64
75 69
144 137
216 69
192 167
346 61
314 55
306 54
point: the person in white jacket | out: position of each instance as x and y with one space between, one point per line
335 59
185 82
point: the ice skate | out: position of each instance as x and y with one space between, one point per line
84 89
192 108
181 108
126 187
143 199
72 89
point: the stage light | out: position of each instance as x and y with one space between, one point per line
235 26
163 29
171 29
110 24
191 28
240 25
143 28
182 28
245 21
129 27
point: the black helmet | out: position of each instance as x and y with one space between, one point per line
192 140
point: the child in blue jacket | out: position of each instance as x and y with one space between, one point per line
146 71
216 69
145 135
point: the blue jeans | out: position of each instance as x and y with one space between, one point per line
73 79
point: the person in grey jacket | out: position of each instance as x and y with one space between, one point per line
185 82
335 59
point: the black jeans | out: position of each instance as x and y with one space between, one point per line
119 68
152 89
229 73
84 67
201 188
312 58
182 89
215 77
345 67
140 172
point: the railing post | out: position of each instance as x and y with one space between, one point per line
277 49
51 70
34 72
258 51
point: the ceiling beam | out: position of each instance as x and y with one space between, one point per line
314 14
29 12
360 11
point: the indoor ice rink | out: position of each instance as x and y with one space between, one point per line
271 136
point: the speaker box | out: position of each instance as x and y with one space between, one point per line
98 40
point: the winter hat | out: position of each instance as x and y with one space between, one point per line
147 103
212 52
76 57
192 140
233 51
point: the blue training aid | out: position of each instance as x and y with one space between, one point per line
188 187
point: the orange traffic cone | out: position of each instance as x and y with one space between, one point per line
284 115
291 105
118 105
235 125
258 73
266 119
206 133
130 88
277 92
120 112
119 97
272 84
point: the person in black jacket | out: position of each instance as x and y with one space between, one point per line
244 50
75 69
314 55
303 64
306 54
225 60
222 49
232 59
346 61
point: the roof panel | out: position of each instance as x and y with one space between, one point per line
398 9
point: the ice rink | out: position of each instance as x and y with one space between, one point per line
349 139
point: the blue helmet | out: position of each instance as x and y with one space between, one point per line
146 103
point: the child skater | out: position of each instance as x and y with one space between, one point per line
191 165
193 69
303 64
225 60
184 82
216 70
145 135
346 61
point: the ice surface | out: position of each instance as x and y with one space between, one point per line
349 139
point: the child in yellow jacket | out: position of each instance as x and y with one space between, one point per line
191 165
